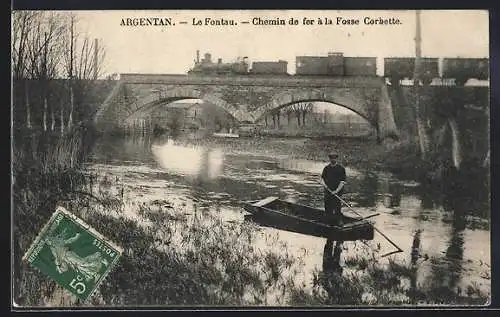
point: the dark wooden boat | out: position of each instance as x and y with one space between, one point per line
276 213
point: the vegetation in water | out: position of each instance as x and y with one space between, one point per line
172 258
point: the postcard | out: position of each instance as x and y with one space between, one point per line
250 158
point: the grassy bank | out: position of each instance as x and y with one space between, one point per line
45 170
174 260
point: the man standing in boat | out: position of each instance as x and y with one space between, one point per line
333 179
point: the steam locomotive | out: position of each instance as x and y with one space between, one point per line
336 64
207 67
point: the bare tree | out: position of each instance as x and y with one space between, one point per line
81 62
289 110
62 116
22 22
36 54
27 100
35 37
69 65
300 109
306 108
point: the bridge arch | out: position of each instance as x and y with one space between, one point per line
365 104
362 114
156 99
136 114
167 94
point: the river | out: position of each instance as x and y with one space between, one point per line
215 179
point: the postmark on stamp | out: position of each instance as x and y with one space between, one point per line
73 254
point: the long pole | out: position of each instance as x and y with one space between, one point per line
374 228
422 134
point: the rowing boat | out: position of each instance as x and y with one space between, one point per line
280 214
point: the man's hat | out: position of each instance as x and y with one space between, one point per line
333 155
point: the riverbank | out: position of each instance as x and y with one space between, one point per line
401 158
398 157
45 171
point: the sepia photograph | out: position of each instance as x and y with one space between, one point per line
250 158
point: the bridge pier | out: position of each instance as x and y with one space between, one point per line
386 125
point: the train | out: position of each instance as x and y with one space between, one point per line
404 68
463 68
335 64
205 66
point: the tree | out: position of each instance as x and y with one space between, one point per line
113 76
46 45
301 109
294 108
306 108
289 111
83 62
36 39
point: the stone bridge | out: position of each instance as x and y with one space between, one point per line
246 98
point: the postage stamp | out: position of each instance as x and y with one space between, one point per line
73 254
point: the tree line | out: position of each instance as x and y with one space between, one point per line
299 109
53 65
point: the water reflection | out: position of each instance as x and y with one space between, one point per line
330 277
368 184
455 254
396 191
202 163
447 271
332 256
302 165
415 256
429 197
415 248
392 193
455 251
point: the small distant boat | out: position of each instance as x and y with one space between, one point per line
276 213
225 135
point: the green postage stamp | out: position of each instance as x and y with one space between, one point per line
73 254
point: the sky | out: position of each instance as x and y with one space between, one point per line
172 49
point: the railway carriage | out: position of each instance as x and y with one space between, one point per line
335 64
360 66
464 68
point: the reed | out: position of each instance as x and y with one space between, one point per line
45 170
